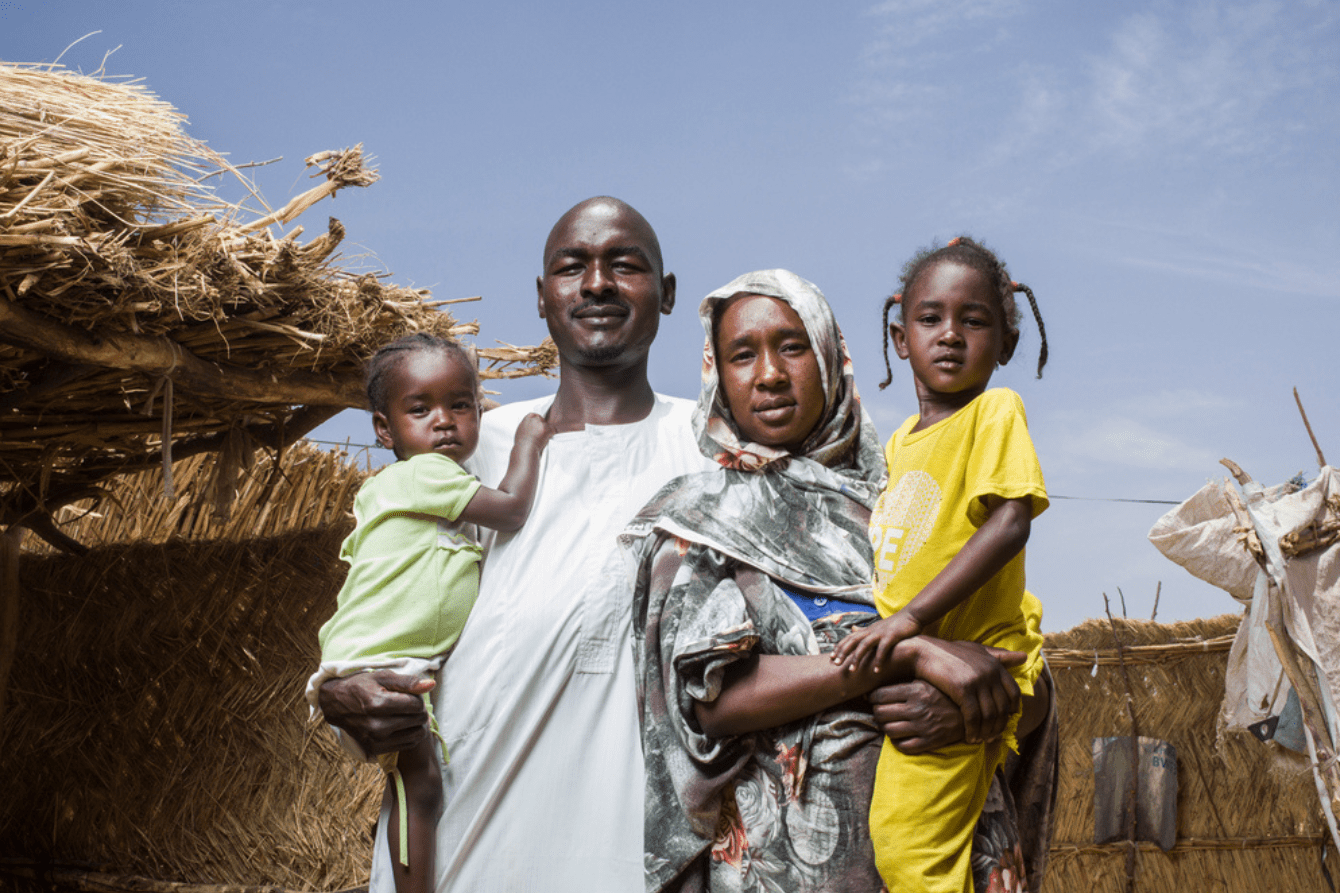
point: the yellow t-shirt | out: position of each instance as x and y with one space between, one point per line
934 501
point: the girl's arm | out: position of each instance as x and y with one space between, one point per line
1001 537
771 690
506 507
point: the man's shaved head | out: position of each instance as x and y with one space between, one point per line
601 209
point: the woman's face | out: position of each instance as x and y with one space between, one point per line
769 372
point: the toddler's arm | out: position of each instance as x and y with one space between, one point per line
506 508
1000 538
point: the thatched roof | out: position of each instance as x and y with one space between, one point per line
138 311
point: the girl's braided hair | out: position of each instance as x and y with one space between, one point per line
389 356
967 252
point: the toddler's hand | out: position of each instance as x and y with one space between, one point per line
534 431
874 645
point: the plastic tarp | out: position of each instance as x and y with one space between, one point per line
1274 550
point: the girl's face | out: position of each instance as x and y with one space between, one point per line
769 372
953 332
431 407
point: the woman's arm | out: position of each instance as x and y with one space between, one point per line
770 690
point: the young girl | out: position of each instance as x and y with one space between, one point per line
948 535
414 556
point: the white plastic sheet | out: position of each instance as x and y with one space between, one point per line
1290 635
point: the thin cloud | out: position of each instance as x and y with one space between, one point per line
1171 83
1204 78
1125 442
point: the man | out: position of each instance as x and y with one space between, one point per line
544 788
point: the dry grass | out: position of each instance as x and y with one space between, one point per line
138 311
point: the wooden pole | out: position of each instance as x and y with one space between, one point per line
9 607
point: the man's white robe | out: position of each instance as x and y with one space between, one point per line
544 789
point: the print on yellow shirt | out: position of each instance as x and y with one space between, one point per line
901 523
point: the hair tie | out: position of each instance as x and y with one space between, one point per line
954 242
1014 286
898 298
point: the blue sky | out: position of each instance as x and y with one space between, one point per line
1163 174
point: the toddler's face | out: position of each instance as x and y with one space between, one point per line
769 372
432 407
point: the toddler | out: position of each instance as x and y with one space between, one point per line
414 556
948 535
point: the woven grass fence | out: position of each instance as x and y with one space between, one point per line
156 723
1248 818
157 739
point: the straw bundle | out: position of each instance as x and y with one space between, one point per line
141 317
1247 816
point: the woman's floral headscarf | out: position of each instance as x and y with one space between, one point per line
799 517
844 437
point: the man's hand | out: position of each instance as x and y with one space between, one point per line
382 710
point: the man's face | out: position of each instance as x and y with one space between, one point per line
603 291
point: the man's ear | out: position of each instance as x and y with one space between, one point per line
539 294
898 335
667 293
1007 345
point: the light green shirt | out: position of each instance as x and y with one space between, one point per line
413 568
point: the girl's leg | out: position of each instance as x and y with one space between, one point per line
422 778
923 814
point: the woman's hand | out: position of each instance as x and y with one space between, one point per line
974 677
916 716
382 710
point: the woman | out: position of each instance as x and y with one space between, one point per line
759 763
